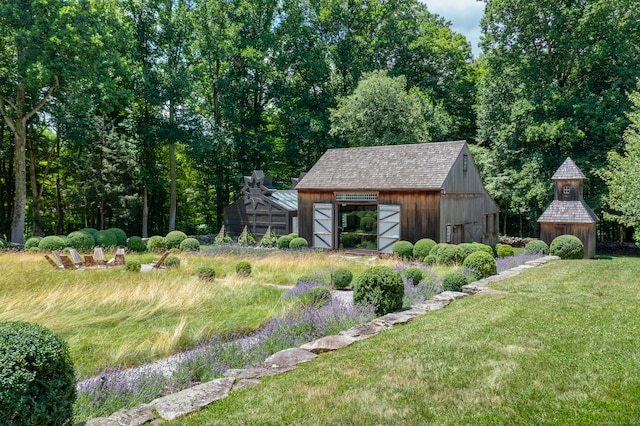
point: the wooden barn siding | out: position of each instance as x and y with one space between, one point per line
575 192
306 200
419 213
586 232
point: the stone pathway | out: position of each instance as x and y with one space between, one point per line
190 400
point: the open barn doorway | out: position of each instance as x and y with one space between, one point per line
358 226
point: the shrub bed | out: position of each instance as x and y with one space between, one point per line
50 243
482 263
106 239
567 247
80 240
380 286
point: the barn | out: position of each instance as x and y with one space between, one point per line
370 197
569 213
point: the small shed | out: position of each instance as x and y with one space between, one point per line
569 213
370 197
262 206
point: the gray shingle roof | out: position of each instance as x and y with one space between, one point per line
568 170
416 166
568 212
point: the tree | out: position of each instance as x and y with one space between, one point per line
381 112
622 176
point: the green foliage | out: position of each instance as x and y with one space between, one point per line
454 281
484 247
121 236
133 266
3 243
481 262
318 296
91 231
341 278
537 246
156 244
567 247
298 243
222 237
368 224
243 269
436 249
136 244
468 248
52 242
174 238
450 254
381 286
246 239
348 239
284 241
422 248
106 239
207 273
172 262
190 244
80 240
32 242
269 239
504 250
414 274
430 260
37 378
403 249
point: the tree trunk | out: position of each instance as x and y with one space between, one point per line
20 180
145 211
173 201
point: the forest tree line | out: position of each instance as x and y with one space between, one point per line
145 114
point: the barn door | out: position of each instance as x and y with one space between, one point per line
323 226
388 226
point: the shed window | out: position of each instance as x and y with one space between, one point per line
465 163
566 190
448 237
357 197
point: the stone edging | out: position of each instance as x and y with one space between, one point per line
189 400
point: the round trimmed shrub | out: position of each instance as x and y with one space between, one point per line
467 249
121 236
484 247
91 231
52 242
190 244
436 249
298 243
380 286
32 242
414 274
243 269
504 250
37 381
368 224
284 241
537 246
403 249
431 260
450 254
341 278
349 239
155 244
454 281
174 238
481 262
422 248
567 247
172 262
136 244
207 273
293 235
80 240
318 296
106 239
133 266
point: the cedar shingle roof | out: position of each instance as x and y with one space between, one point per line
568 212
568 170
415 166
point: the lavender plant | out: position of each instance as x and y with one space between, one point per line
428 287
504 263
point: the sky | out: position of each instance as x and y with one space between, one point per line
464 16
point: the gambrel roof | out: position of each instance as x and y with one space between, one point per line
568 170
568 212
417 166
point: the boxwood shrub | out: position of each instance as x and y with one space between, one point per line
298 243
318 296
450 254
37 380
133 266
190 244
422 248
468 248
537 246
485 248
414 274
349 239
136 244
80 240
283 242
174 238
106 239
567 247
32 242
403 249
243 268
207 273
50 243
121 236
504 250
380 286
172 262
454 281
155 244
91 231
341 278
481 262
435 249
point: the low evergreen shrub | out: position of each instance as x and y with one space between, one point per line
80 240
293 235
284 241
32 242
403 249
537 246
318 296
436 249
155 244
481 262
567 247
414 274
341 278
430 260
136 244
468 248
91 231
380 286
243 269
485 248
50 243
454 281
368 224
190 244
121 236
349 239
422 248
450 254
298 243
207 273
172 262
105 239
174 238
504 250
37 379
133 266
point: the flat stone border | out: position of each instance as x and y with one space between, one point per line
193 399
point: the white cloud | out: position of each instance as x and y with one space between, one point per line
464 16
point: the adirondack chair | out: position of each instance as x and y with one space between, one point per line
77 259
98 256
52 262
89 261
64 260
118 260
160 262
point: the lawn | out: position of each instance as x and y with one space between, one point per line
559 347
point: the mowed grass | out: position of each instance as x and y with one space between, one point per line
115 317
562 346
